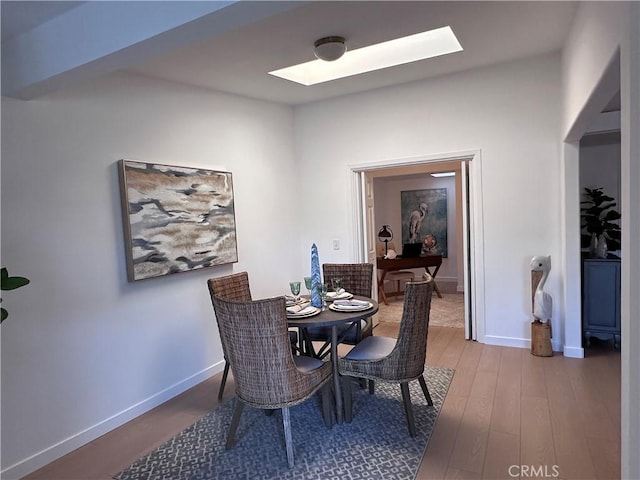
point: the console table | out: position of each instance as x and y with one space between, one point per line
402 263
601 299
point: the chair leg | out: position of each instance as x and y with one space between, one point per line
327 405
224 380
425 390
286 421
408 409
347 402
307 344
235 420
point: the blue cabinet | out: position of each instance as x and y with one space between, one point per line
601 300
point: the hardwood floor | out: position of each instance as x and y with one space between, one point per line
508 414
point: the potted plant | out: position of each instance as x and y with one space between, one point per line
599 233
9 283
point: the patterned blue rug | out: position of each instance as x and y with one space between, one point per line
375 445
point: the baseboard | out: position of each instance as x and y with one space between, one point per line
526 343
507 341
52 453
573 352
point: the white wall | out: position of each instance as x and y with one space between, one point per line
387 211
82 349
600 167
512 113
594 38
606 35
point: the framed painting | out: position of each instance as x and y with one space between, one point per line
176 219
424 219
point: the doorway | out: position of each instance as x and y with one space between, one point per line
469 166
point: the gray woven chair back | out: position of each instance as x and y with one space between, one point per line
409 354
357 278
257 343
406 360
231 287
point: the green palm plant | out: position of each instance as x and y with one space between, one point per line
598 216
9 283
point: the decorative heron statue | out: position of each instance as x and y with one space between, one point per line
542 307
542 301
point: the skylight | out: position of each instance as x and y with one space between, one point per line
412 48
444 174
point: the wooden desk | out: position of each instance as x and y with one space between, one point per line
399 263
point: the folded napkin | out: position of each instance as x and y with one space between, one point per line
339 294
351 303
300 308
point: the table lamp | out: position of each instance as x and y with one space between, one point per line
385 235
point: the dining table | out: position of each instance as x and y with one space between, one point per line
334 319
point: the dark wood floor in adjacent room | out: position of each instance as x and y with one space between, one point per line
505 410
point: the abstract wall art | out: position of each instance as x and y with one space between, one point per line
176 219
424 219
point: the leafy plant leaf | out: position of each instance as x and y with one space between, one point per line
11 283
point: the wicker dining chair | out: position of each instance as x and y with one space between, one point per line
235 287
357 278
267 374
389 360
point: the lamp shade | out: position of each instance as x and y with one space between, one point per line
385 234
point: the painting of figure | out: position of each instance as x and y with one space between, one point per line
176 219
424 219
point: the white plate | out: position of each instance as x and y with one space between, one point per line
350 308
307 312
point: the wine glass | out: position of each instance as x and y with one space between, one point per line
336 283
307 283
295 290
322 290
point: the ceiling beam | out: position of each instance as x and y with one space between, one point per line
97 38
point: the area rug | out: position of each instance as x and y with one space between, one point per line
447 311
375 445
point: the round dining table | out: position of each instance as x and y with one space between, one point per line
334 319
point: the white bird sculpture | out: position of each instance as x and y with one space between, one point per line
542 301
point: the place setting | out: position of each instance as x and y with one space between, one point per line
338 292
298 307
350 305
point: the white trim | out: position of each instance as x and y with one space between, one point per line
507 341
573 352
404 161
526 343
630 267
476 227
54 452
358 238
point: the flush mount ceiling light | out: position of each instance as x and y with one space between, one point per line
329 48
444 174
412 48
